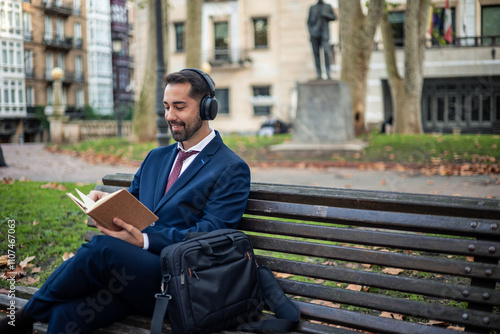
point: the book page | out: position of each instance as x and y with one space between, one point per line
88 203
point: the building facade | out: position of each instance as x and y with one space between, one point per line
44 34
259 50
121 33
12 97
99 53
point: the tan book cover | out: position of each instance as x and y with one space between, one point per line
120 204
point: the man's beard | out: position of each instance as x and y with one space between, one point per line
187 130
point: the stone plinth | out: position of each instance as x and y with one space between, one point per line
57 128
324 113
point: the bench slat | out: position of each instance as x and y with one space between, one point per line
383 281
366 321
388 259
379 200
374 238
377 219
390 304
118 179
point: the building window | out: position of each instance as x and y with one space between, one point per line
59 30
60 60
79 98
470 104
221 41
222 95
260 33
78 35
27 27
79 68
48 29
490 24
397 22
262 100
179 37
30 96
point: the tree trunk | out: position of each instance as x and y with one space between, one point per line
144 121
356 35
406 92
193 33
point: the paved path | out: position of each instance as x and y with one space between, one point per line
33 162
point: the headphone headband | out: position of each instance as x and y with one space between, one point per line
205 77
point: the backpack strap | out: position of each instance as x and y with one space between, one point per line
287 313
161 305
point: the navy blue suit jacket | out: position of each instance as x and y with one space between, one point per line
210 194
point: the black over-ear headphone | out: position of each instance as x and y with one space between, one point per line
208 105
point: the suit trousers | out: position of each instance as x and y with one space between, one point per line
107 280
317 43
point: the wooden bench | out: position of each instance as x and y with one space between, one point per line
370 261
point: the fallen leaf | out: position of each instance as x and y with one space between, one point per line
67 256
36 270
31 280
4 259
7 180
35 222
24 263
18 272
382 183
392 271
456 328
391 315
354 287
49 185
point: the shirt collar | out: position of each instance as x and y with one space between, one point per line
201 145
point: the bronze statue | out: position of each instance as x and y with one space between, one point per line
318 21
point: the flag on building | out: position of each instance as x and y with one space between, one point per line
447 23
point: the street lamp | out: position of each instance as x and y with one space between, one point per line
162 135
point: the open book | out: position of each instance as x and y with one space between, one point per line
120 204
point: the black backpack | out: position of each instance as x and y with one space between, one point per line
212 283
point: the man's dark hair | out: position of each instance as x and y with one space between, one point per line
199 88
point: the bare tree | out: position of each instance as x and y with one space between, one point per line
406 92
193 33
144 120
357 32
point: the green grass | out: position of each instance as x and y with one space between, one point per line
47 225
405 149
423 149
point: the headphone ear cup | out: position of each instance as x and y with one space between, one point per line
208 108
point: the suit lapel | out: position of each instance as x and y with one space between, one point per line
162 179
194 168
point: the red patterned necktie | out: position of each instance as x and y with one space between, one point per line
178 167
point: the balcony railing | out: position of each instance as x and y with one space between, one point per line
467 41
29 72
228 57
54 8
64 43
28 36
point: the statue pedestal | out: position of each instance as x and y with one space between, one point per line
324 113
323 124
57 128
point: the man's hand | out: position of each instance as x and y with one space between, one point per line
128 232
96 195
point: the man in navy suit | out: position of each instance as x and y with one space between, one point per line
118 274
